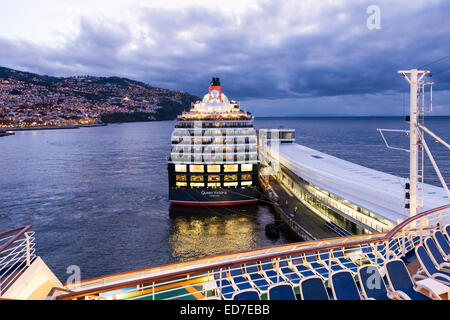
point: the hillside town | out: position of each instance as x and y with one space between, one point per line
31 100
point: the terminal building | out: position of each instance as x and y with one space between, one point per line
358 199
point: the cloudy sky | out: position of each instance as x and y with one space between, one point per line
277 57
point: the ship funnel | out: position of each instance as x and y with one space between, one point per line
215 82
215 90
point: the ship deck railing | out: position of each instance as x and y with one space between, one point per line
211 277
17 252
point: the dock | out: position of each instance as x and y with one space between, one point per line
335 195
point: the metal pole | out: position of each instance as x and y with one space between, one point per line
413 146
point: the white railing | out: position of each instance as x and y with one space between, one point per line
17 251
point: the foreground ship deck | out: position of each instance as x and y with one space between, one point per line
280 272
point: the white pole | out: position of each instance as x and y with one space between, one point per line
413 137
413 146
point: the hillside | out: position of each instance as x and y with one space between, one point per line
28 98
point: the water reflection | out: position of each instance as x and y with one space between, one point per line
205 231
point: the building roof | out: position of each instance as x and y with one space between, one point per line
380 193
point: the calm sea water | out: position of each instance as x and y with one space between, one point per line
97 197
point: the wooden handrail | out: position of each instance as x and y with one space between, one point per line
13 239
380 238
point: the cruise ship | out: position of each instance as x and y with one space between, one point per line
214 157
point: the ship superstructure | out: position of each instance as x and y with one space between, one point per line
214 158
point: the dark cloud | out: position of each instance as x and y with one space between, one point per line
278 50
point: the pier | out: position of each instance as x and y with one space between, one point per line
333 197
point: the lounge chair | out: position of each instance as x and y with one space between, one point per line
240 281
338 254
249 294
343 286
318 267
281 291
442 244
268 270
372 256
447 231
436 256
415 240
224 285
394 249
288 274
385 254
400 281
332 264
372 283
312 288
301 268
429 268
258 280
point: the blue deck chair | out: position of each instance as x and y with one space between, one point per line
385 254
415 240
400 281
436 255
429 268
443 244
268 270
408 244
258 280
338 254
447 231
301 268
312 288
344 286
318 267
239 280
372 283
281 291
226 287
394 248
288 274
326 259
372 256
249 294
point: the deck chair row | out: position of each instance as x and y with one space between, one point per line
344 287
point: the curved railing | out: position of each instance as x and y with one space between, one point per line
17 251
198 277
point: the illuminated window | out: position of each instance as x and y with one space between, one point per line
180 168
196 168
213 167
181 184
230 177
196 178
247 167
230 184
246 183
197 184
214 184
181 178
230 167
246 177
214 178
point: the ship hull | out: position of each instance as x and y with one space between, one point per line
213 197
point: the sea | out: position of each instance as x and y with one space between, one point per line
97 198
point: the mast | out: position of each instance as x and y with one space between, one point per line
414 140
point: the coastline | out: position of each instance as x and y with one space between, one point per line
76 126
